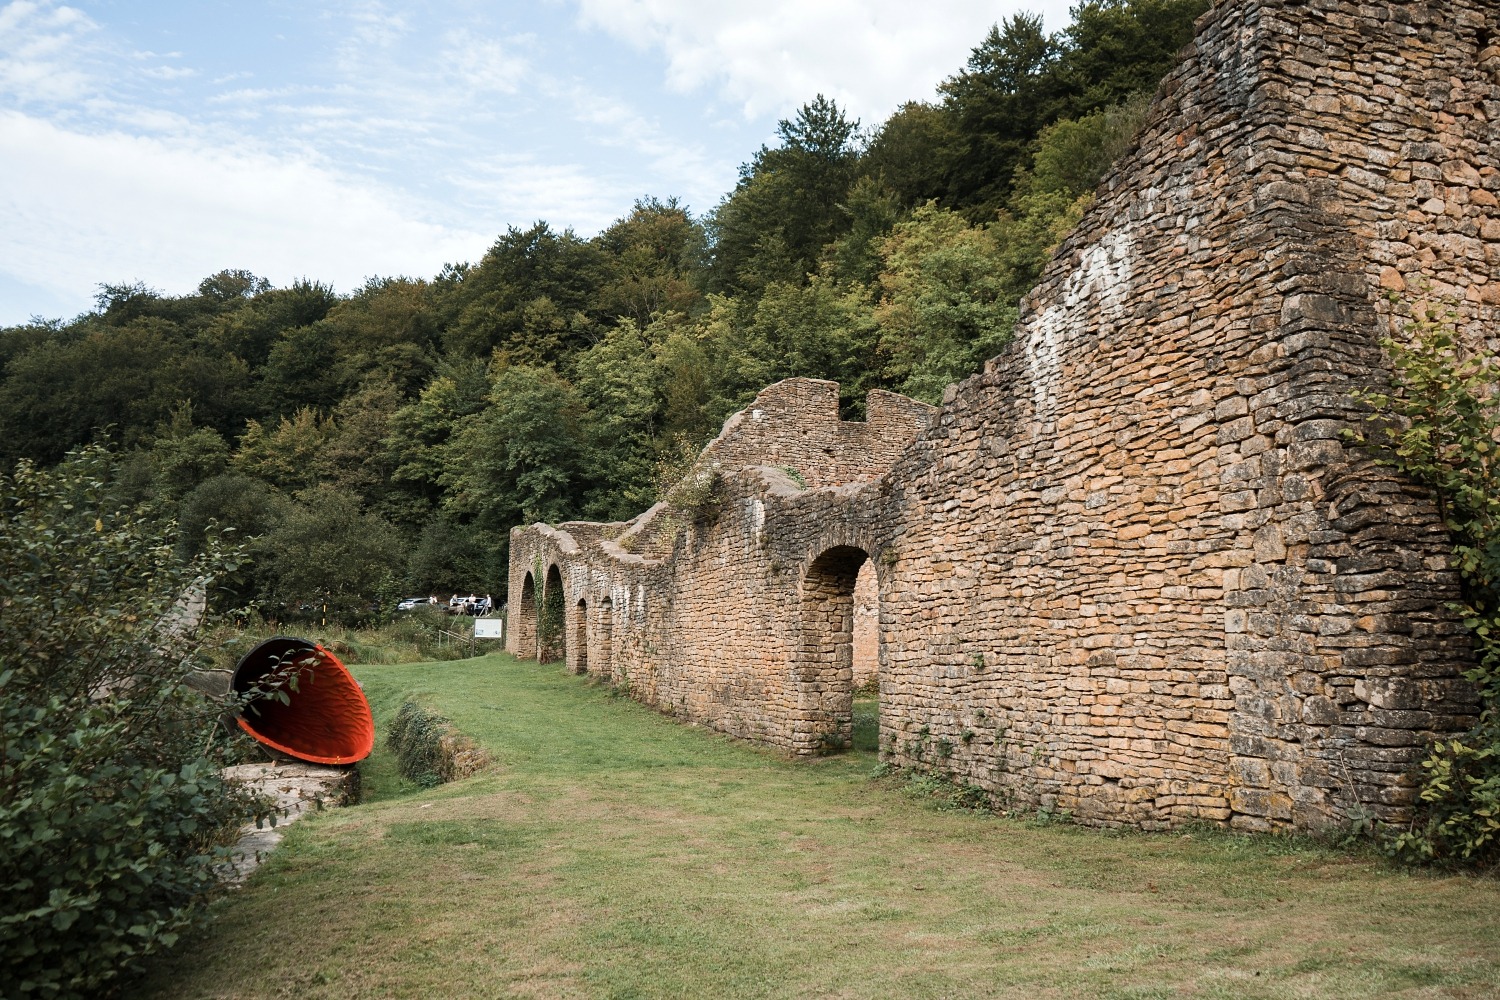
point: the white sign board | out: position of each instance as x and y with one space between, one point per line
489 628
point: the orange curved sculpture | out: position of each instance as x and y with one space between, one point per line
326 719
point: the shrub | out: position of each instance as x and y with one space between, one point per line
111 820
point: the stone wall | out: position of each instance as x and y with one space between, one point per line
1131 570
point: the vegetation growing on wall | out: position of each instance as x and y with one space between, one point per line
1442 428
550 622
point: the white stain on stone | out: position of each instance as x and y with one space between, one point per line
1101 282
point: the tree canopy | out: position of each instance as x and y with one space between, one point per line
410 423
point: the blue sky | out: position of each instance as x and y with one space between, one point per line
163 141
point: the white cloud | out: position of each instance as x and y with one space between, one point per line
518 190
169 72
769 56
485 65
78 209
39 52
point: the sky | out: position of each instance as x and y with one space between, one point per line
161 142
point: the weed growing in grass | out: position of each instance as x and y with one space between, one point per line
945 792
1049 815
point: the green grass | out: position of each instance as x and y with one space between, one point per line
612 852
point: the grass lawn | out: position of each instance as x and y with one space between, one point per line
611 852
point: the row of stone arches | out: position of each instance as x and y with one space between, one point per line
543 629
592 630
838 654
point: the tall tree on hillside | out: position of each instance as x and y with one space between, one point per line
654 262
68 387
998 103
251 331
522 458
420 431
773 226
912 152
532 297
1116 48
386 330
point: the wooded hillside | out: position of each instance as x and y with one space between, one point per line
384 442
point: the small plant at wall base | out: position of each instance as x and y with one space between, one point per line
1440 425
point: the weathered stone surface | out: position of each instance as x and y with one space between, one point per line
1132 569
296 788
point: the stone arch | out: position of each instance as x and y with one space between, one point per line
525 623
578 649
604 631
825 653
552 620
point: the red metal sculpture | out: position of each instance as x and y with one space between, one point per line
325 720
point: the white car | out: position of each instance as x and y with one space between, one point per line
411 603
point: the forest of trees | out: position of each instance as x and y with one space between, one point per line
385 441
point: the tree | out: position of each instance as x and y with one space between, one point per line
387 331
773 226
499 303
521 459
946 304
326 545
420 430
353 456
620 381
69 387
997 104
287 455
654 262
249 333
912 153
301 371
1116 48
1073 154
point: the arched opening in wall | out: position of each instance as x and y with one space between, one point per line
580 649
525 623
551 628
865 661
604 631
840 652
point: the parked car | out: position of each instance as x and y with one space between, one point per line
411 603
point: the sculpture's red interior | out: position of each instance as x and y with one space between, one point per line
327 720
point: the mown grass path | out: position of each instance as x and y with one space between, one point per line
612 852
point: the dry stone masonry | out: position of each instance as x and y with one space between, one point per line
1132 570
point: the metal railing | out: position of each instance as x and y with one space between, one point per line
446 638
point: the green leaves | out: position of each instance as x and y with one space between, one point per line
108 816
1439 424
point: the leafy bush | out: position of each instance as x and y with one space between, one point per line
111 820
1440 425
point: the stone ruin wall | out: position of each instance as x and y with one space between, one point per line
702 617
1131 570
